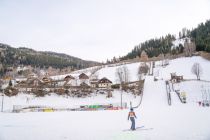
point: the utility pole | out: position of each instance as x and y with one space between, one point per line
2 102
121 97
131 104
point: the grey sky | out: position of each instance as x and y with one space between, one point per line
95 29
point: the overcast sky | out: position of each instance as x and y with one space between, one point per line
95 29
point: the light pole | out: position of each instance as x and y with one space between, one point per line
121 96
131 104
2 101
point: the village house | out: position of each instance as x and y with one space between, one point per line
6 79
32 75
34 82
175 78
22 68
57 81
46 79
94 83
104 83
84 85
68 78
19 79
29 83
21 84
83 78
69 81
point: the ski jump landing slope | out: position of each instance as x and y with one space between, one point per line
178 121
154 93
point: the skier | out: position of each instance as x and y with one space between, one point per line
131 116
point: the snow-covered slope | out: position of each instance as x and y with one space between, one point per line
110 72
183 66
179 121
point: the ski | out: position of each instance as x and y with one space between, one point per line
134 130
144 129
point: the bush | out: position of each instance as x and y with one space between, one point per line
40 93
10 91
115 86
10 83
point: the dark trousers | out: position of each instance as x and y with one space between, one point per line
132 123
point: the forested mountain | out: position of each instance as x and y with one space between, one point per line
10 56
201 36
154 47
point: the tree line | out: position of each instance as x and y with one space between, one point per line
201 36
163 45
153 47
12 57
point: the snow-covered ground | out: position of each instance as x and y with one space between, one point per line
110 72
179 121
183 66
177 42
54 100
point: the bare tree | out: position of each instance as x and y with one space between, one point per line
189 47
143 69
94 76
94 72
197 70
126 74
119 75
123 77
122 74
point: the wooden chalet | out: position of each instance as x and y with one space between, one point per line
21 84
30 83
175 78
70 81
68 78
84 85
94 83
83 76
34 82
104 83
46 80
32 75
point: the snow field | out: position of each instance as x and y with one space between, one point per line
179 121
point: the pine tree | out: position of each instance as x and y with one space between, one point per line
10 83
